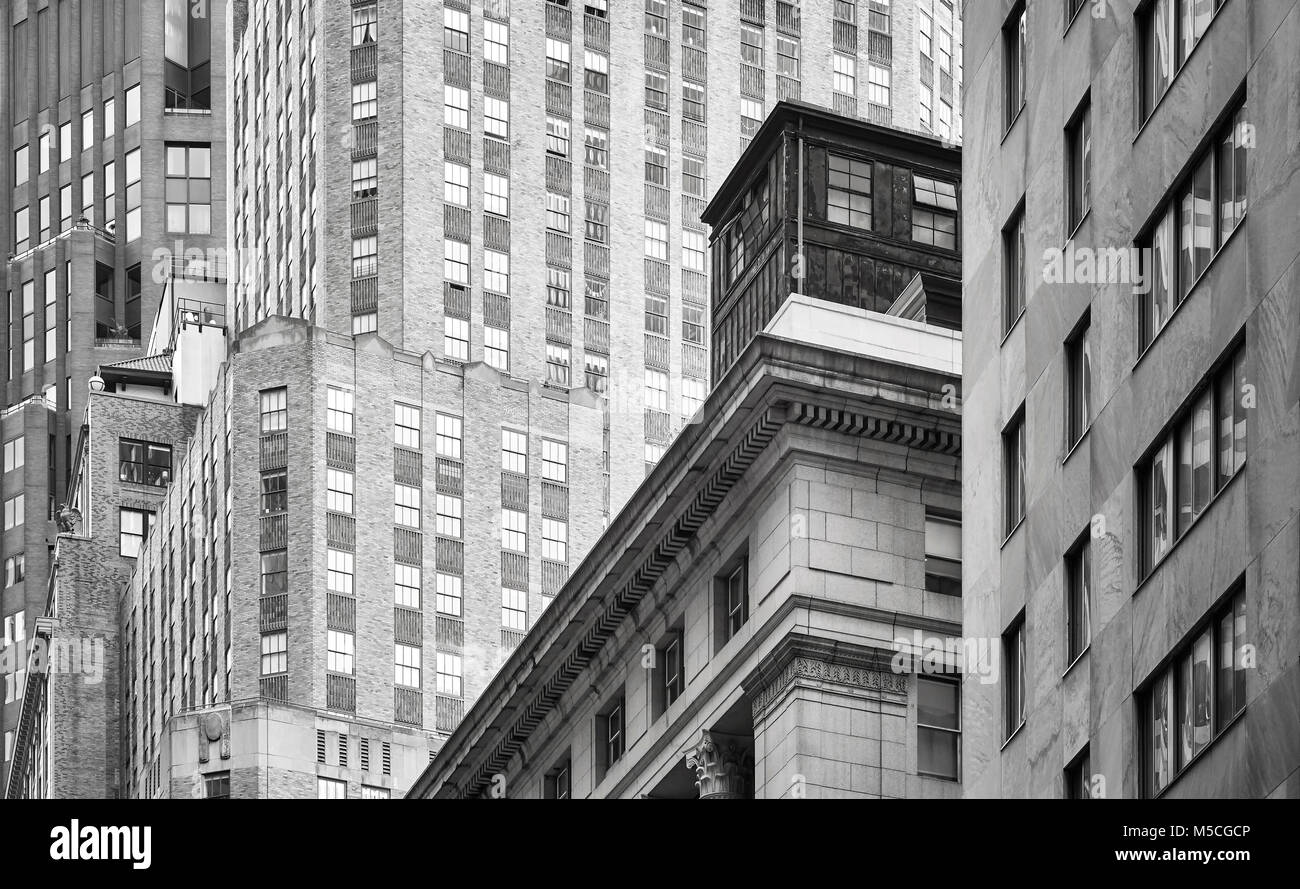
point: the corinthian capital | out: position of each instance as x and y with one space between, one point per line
720 763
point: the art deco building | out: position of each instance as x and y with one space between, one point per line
1132 501
734 632
112 162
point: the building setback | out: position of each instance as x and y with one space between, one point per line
750 625
112 123
1131 383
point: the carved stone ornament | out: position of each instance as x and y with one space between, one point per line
68 518
719 764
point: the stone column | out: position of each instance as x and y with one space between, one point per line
720 765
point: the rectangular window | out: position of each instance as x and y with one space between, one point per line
15 509
656 90
275 491
275 410
140 462
365 256
558 287
656 240
751 117
597 222
496 272
1168 31
938 727
597 148
845 74
1013 474
656 390
15 457
366 322
751 44
365 101
448 515
339 490
555 461
1013 64
514 609
496 194
611 731
656 17
1013 673
133 105
496 42
496 118
1013 270
656 166
275 653
455 29
1078 600
1196 695
188 188
1078 384
216 785
449 674
339 572
365 24
693 101
557 212
455 108
1078 141
406 506
133 525
514 452
406 585
557 59
557 364
558 782
942 554
406 426
340 652
879 84
693 31
848 193
406 665
555 540
557 136
447 436
455 339
275 572
1199 454
132 159
338 412
455 262
693 324
496 348
448 594
1078 774
331 788
934 212
514 530
787 56
596 71
21 163
455 184
693 250
597 370
692 396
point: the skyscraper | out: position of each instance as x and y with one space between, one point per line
112 124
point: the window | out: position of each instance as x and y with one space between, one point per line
406 585
557 212
22 230
558 782
1013 270
1169 30
366 322
133 105
339 490
133 526
1078 600
514 530
656 390
275 491
496 271
730 601
692 396
597 369
938 727
14 453
656 240
406 506
496 42
557 364
455 184
942 554
611 730
693 250
1078 384
845 77
514 451
406 426
656 166
1189 230
1078 774
597 222
21 163
275 410
340 652
406 665
1199 454
43 151
751 117
1196 695
449 674
455 262
365 100
455 29
65 208
596 71
88 196
15 569
558 287
1013 676
447 436
934 212
945 50
216 785
331 788
496 118
365 256
455 108
44 217
275 653
597 8
365 24
751 44
189 189
15 628
1013 473
496 348
447 595
339 571
693 324
656 90
557 136
787 56
879 83
455 340
656 17
448 515
555 461
555 540
848 194
275 572
597 148
110 191
693 101
133 194
139 462
338 412
1078 139
557 59
496 194
1013 65
925 34
29 325
514 609
668 676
